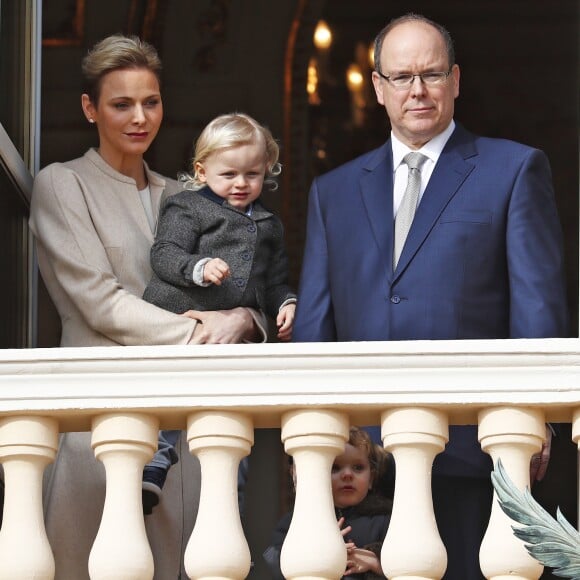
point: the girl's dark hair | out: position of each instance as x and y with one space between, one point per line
379 458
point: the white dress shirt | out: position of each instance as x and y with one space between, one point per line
432 150
145 195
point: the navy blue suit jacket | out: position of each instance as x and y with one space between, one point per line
483 258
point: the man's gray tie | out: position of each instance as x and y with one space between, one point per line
408 205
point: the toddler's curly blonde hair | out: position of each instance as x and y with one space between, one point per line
233 130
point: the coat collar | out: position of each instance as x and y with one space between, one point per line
258 211
156 183
453 167
153 178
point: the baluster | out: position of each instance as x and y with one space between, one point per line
217 548
124 443
514 435
576 439
314 547
412 548
27 446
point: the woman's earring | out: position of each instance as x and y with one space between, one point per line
91 120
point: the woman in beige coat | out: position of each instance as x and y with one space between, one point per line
94 220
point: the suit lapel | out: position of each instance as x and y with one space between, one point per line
447 178
377 194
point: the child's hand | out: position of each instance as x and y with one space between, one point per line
215 271
284 322
344 531
360 561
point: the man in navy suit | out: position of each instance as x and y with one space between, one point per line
483 257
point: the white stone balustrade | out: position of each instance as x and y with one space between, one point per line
124 442
514 435
27 446
312 391
217 547
412 547
314 547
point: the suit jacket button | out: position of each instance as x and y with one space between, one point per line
251 228
395 299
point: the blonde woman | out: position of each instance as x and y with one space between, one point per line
94 220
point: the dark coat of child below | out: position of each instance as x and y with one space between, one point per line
369 521
199 224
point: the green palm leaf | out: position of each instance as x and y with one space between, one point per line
553 542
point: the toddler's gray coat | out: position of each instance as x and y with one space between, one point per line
199 224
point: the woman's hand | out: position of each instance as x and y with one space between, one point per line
539 461
223 326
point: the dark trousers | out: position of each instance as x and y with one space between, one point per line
462 508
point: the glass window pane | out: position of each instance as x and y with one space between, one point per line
12 71
13 265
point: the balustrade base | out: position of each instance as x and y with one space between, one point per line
511 577
411 578
215 578
308 578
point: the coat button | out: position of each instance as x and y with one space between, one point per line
395 299
246 256
251 228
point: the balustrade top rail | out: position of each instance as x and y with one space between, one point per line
74 384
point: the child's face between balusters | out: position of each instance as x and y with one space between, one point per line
351 477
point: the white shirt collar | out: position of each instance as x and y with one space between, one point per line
432 149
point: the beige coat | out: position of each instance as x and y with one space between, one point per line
93 240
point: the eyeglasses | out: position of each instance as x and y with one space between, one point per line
405 81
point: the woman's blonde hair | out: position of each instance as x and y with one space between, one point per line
233 130
117 52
